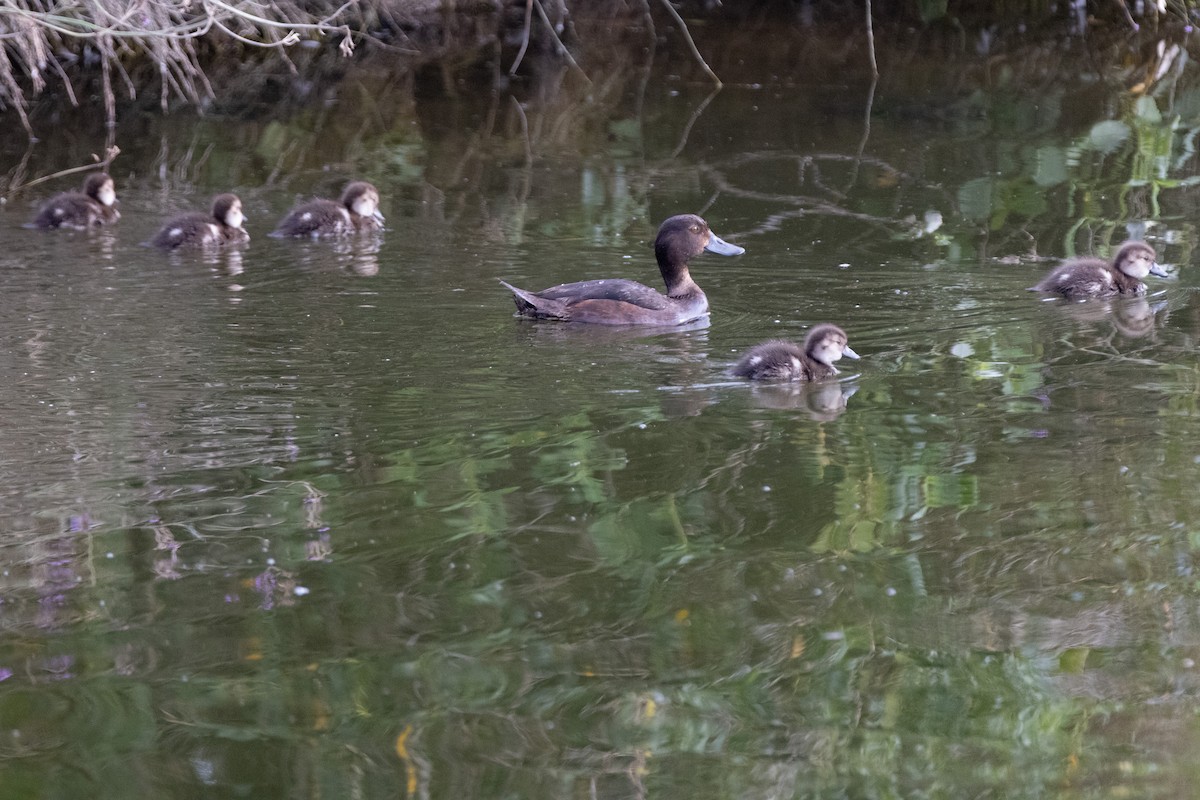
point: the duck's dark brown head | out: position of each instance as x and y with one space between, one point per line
685 236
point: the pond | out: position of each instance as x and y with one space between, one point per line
326 519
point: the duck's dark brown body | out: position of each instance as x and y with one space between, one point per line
618 301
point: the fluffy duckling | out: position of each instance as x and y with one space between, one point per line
779 360
618 301
1080 278
356 212
222 226
81 210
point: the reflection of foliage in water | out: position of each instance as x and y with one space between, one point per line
526 608
1111 177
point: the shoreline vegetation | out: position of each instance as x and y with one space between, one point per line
178 50
237 56
175 48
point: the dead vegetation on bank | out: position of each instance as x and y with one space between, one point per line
119 47
67 42
62 40
193 51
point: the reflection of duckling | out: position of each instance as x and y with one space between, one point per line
777 359
1136 317
618 301
221 226
356 212
824 402
1080 278
94 206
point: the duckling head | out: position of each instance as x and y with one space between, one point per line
228 209
100 187
826 344
363 199
1137 260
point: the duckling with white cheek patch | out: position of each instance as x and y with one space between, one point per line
222 226
356 212
1081 278
780 360
81 210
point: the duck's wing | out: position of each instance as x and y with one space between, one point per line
611 301
559 302
616 289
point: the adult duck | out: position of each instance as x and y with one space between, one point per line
1081 278
618 301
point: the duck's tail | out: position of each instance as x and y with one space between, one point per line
531 305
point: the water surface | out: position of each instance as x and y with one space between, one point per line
308 518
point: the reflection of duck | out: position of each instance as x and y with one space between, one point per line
356 212
81 210
1080 278
223 225
617 301
780 360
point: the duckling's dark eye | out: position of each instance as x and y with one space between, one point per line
695 229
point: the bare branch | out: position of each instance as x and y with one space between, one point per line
691 44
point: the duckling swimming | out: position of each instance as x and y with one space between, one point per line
81 210
356 212
222 226
618 301
1081 278
780 360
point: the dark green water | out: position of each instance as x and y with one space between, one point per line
311 520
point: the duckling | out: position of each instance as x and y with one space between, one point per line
780 360
224 225
1081 278
81 210
356 212
618 301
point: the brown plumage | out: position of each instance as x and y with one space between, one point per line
223 225
356 212
81 210
1080 278
781 360
619 301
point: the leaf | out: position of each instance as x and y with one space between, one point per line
975 198
1107 136
1147 110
